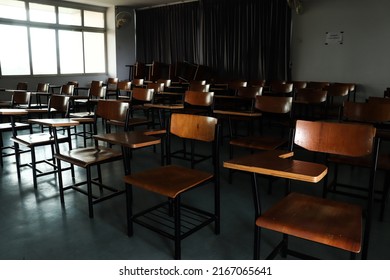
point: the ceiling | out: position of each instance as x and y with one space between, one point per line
132 3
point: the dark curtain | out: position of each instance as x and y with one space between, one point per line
168 34
247 39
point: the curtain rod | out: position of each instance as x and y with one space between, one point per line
167 4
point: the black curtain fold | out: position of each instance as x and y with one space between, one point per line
248 39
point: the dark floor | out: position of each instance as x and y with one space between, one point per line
35 226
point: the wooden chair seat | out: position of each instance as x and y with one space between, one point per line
37 139
325 221
169 180
89 156
259 142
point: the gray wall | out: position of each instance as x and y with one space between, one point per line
363 58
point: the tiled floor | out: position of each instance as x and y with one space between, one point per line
34 224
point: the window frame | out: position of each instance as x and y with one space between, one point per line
57 27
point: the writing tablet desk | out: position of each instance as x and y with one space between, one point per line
277 163
128 141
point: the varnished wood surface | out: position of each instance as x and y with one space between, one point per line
169 180
196 127
85 157
13 112
237 113
316 219
37 139
259 142
164 106
276 163
132 139
335 138
55 122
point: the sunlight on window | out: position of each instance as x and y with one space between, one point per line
69 16
93 19
14 58
71 52
94 52
43 49
13 9
42 13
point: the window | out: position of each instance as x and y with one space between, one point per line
50 39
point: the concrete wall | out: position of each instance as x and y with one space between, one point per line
363 58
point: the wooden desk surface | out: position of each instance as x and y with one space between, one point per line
13 112
131 139
164 106
278 163
237 113
55 122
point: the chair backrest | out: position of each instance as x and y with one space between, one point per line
274 104
249 92
311 95
199 98
197 127
347 139
43 87
157 87
199 87
142 94
377 99
257 83
167 82
59 104
112 83
337 90
21 86
370 112
137 82
280 88
67 89
318 85
97 90
124 85
20 98
112 110
75 83
299 84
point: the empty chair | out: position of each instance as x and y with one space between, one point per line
96 92
42 90
137 82
58 106
124 89
310 103
67 89
112 87
22 86
336 95
377 114
90 157
281 89
277 108
19 100
315 219
167 82
233 86
198 102
172 218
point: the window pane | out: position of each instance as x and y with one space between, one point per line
13 9
93 19
14 57
42 13
71 52
69 16
43 50
94 52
